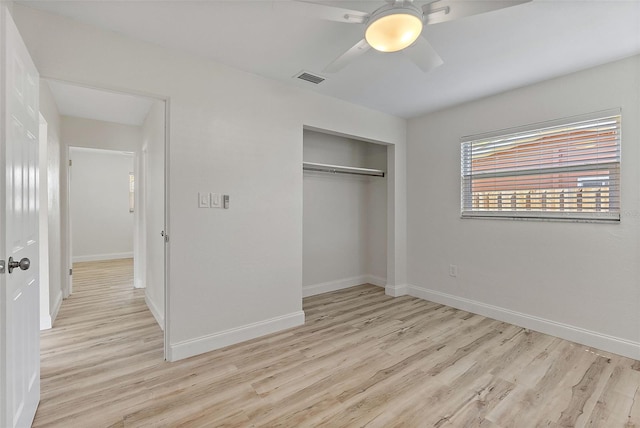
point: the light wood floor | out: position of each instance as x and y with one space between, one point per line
362 358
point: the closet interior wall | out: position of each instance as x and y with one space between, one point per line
344 216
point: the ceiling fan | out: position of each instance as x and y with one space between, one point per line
397 26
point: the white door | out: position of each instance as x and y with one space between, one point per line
19 292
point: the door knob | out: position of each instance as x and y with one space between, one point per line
23 264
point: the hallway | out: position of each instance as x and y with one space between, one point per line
103 332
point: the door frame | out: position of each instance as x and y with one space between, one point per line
3 160
67 286
43 215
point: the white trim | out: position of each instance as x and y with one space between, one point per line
616 111
154 311
396 290
167 227
56 307
98 257
341 284
137 283
200 345
45 322
580 335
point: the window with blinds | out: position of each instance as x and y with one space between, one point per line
132 188
566 169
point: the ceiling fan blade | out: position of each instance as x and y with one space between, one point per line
343 60
423 55
323 11
448 10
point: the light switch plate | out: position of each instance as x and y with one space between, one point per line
216 200
203 200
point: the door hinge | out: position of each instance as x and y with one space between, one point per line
70 162
70 271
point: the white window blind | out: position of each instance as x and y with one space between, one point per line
132 188
566 169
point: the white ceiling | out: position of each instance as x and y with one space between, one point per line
97 104
483 54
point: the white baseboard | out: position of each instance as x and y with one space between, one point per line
154 311
396 290
340 284
139 284
45 322
200 345
98 257
56 306
583 336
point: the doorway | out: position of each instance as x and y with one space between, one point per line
101 206
112 185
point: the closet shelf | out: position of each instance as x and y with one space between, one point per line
337 169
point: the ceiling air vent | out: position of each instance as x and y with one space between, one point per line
304 75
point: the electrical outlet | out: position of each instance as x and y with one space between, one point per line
453 270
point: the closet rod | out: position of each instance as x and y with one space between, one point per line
337 169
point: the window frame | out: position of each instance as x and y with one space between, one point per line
467 196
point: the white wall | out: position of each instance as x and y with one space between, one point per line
376 263
102 225
97 134
344 227
50 196
151 209
574 280
237 273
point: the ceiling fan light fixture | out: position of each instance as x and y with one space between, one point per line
394 29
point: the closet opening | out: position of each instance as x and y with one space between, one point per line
344 213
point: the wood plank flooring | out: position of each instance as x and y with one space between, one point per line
361 359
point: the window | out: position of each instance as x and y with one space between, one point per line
566 169
132 188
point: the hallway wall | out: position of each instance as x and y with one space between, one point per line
102 225
57 275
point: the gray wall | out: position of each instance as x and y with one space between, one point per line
573 280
